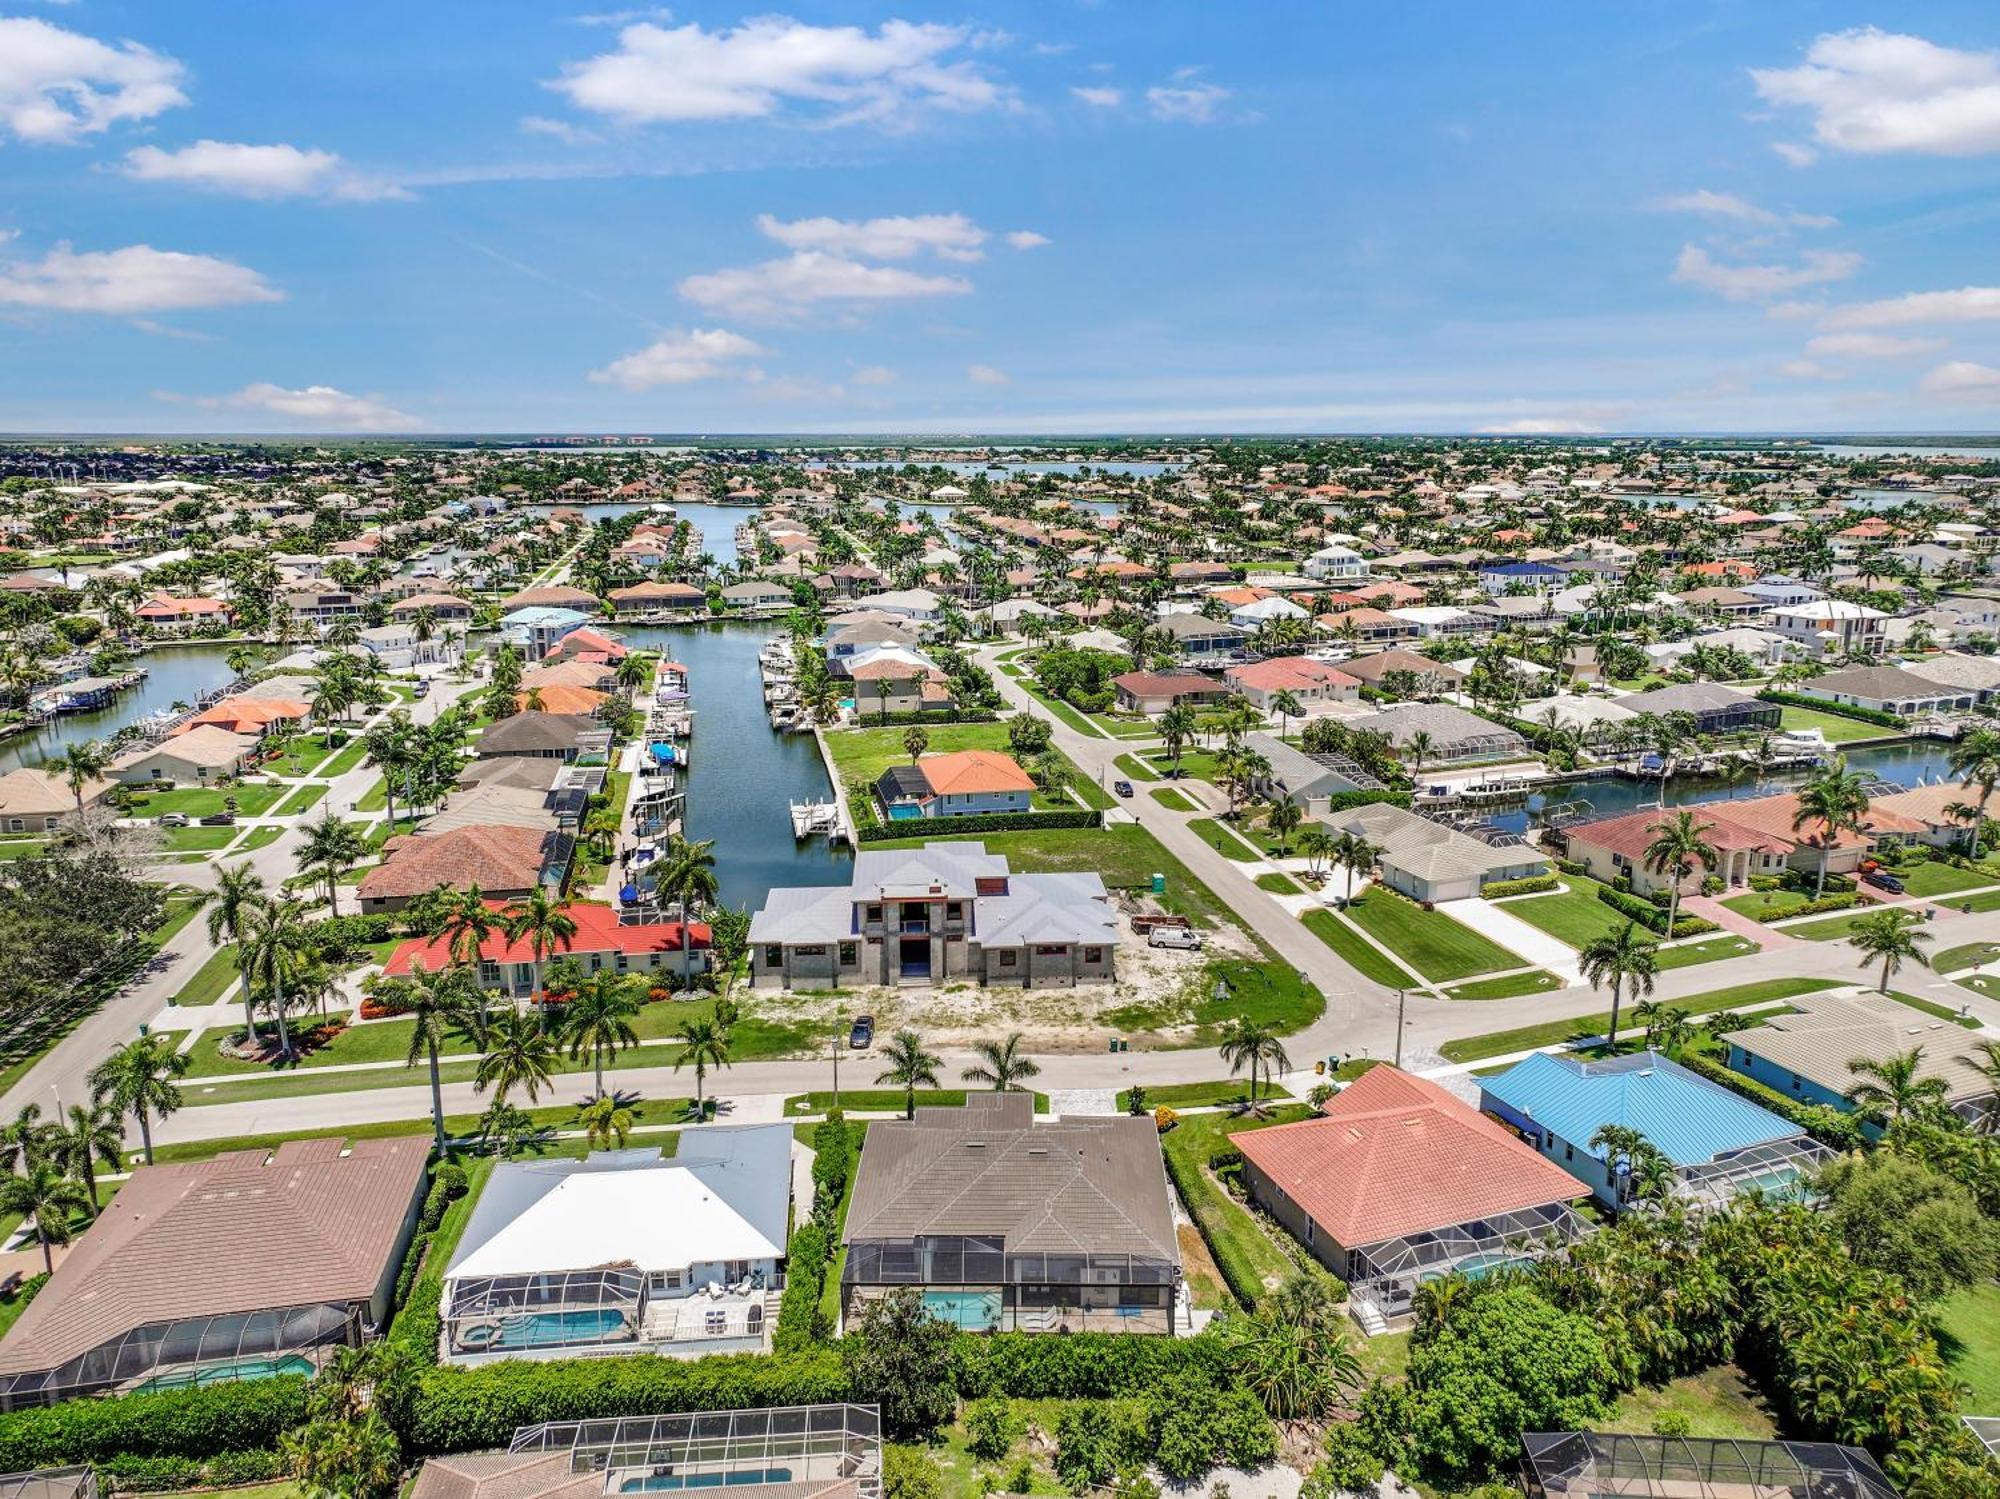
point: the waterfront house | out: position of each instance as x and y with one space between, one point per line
757 593
199 757
1197 637
885 679
1398 1183
1522 577
255 1263
1427 860
165 611
653 596
504 862
1889 689
1378 669
1310 780
35 801
1829 627
1716 709
1307 680
319 607
257 717
544 736
537 629
1717 1142
948 910
1367 625
847 638
1153 692
919 606
601 944
445 608
1338 565
1571 1464
551 596
1003 1224
1456 736
625 1251
967 783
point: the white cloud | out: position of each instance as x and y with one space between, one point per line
1543 426
1963 378
985 374
1969 304
1795 154
660 74
1752 283
321 407
681 358
137 279
561 130
258 172
874 374
779 290
1730 206
1027 239
1100 98
1188 103
952 236
1875 92
57 85
1870 346
1807 369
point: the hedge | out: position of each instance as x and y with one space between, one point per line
1242 1278
1342 801
447 1186
806 1260
1651 917
194 1423
153 1475
1839 710
996 822
1084 1365
1827 1125
863 719
1816 907
1534 884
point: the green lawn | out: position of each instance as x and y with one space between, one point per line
304 799
1971 1343
1934 1009
1224 840
1766 905
1279 884
1573 914
1970 955
1990 901
1264 993
861 755
1708 950
262 837
299 761
251 798
1172 800
1554 1032
1833 928
350 756
1509 987
1431 942
211 979
1929 877
375 798
873 1100
1717 1402
1218 1094
1195 764
21 848
1359 954
1225 1223
1836 728
197 839
1132 768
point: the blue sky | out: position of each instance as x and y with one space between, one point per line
1049 217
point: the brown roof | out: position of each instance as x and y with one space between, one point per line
244 1232
554 596
498 859
532 730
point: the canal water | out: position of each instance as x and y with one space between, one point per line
174 674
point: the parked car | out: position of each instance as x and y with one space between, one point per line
173 819
1123 788
218 820
424 687
1183 937
862 1035
1881 879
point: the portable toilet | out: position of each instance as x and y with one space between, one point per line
1159 884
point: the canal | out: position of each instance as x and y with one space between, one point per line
174 674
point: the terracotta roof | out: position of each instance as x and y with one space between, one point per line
243 1232
555 596
597 930
494 858
1287 671
1396 1154
245 715
1755 822
558 698
1160 684
968 771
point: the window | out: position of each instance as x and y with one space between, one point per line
1093 955
847 955
1569 1152
774 956
1008 958
954 910
874 914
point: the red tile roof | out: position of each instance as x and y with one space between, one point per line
597 931
1395 1154
494 858
969 771
1287 671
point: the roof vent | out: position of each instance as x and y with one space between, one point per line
975 1144
1038 1150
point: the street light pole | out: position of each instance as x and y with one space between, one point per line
1401 996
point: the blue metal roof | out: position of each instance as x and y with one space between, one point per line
1523 570
1690 1119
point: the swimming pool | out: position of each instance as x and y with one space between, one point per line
968 1311
229 1373
1474 1267
654 1483
546 1329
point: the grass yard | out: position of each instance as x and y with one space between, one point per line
1431 942
1970 955
1833 928
303 800
1555 1032
1717 1402
1195 764
351 755
1708 950
1265 993
1219 1094
873 1100
1929 877
1971 1343
1766 905
1062 710
1838 729
1990 901
1224 840
1133 769
375 798
1279 884
211 980
197 840
1358 953
262 837
1573 914
1227 1225
1511 986
1172 800
861 755
250 799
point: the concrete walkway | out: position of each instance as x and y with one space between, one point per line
1500 925
1735 921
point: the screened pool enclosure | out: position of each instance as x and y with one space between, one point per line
1585 1465
973 1282
1385 1277
721 1449
542 1311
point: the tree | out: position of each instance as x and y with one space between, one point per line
344 1459
1247 1044
1988 1068
1680 844
1835 798
273 944
543 924
90 1138
1894 1086
332 847
44 1196
1356 855
79 765
704 1044
238 894
1975 759
599 1020
916 739
139 1079
1892 936
910 1068
686 876
1287 706
906 1359
1293 1353
1001 1066
1317 844
443 1004
1283 819
1177 726
1906 1220
519 1054
1625 963
465 920
606 1120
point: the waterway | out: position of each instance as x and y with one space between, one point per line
744 777
174 674
1928 453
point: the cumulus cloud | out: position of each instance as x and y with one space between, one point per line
844 74
1794 154
58 85
1188 103
1742 210
681 358
951 236
561 130
782 290
1968 304
1027 239
985 374
1756 283
1963 379
1875 92
1808 369
135 280
1100 98
1870 346
318 407
266 172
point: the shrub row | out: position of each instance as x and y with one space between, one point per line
1244 1283
1827 1125
866 720
806 1259
1839 710
153 1475
447 1186
194 1423
1341 801
1083 1365
1817 907
1651 917
1534 884
997 822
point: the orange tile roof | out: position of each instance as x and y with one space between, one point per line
246 715
558 698
504 859
598 930
967 771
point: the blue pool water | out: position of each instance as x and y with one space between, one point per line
654 1483
541 1329
904 813
968 1311
234 1370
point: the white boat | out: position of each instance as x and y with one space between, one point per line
1801 742
659 507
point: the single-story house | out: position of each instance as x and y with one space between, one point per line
1196 636
34 801
1889 689
652 596
1378 667
445 608
552 596
1717 709
966 783
258 717
1153 692
1307 680
1426 860
195 758
1310 780
1454 735
757 593
505 862
1979 675
602 943
544 736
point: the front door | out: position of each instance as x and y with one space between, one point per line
915 955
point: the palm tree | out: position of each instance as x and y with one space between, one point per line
916 739
465 921
1419 748
705 1043
1356 855
1835 798
910 1068
273 942
332 847
599 1020
518 1054
542 923
1975 759
239 893
79 765
1892 936
1317 844
1246 1044
1287 706
1988 1067
1895 1085
1680 843
606 1121
49 1198
25 1140
1283 819
90 1139
1177 727
139 1079
1001 1067
687 877
1625 962
443 1004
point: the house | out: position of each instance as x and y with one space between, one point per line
1153 692
1311 781
1337 564
544 736
505 862
1522 577
758 593
1775 590
1829 627
918 605
1307 680
1889 689
652 596
1367 625
890 679
846 639
256 717
198 757
552 596
1399 1182
1378 668
166 611
289 1253
445 608
1804 1051
1565 1463
1257 613
1426 860
601 944
967 783
561 700
1716 709
1196 637
625 1251
34 801
1452 735
321 606
398 645
540 628
1716 1141
1724 603
1436 620
1003 1224
927 915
